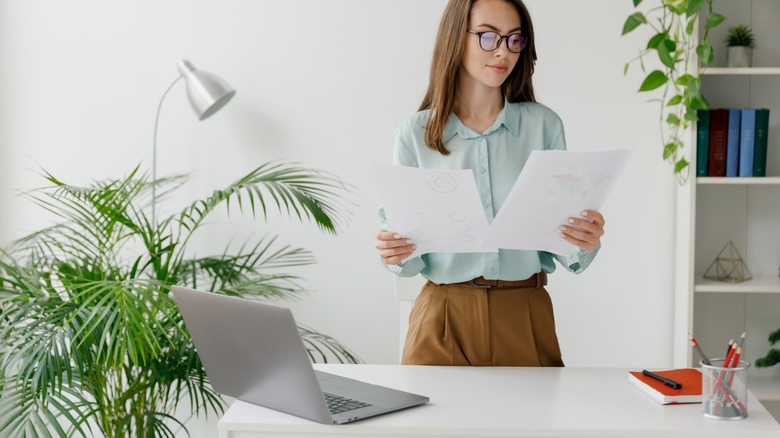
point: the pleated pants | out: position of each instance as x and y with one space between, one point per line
457 324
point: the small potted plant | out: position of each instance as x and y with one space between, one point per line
740 41
773 355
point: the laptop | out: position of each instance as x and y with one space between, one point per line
253 351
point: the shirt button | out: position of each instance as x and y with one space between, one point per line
482 170
485 204
493 271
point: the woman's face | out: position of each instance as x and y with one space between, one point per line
490 69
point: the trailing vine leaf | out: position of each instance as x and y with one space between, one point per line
634 21
681 57
713 20
654 80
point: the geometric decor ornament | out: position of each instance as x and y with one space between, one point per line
728 266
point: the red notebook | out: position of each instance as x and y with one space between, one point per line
690 378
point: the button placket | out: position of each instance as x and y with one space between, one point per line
483 178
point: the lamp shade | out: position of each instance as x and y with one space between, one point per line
207 92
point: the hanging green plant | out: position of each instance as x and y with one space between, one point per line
674 42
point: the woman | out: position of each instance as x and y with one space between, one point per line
480 113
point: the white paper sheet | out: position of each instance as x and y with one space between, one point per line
552 187
438 209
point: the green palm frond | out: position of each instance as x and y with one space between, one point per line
245 270
323 347
126 317
21 409
100 208
304 193
266 287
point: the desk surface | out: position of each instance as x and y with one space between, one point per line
501 402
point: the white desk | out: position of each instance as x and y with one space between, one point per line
503 402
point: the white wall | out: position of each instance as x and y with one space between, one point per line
325 83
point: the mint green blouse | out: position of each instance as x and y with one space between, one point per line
496 156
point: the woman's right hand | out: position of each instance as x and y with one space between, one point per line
392 247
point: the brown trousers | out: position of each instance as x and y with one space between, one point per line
457 324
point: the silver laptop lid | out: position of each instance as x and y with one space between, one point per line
274 372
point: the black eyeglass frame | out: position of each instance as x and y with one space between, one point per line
523 40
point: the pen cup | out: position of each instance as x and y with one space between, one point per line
724 390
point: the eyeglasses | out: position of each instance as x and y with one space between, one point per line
490 41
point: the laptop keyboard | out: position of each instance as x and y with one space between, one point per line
338 404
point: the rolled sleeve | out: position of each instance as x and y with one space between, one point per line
578 260
409 268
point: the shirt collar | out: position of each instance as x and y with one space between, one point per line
509 117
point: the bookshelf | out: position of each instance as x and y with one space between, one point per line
749 71
714 210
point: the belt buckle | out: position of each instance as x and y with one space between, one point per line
478 286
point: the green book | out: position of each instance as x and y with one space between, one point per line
702 142
760 144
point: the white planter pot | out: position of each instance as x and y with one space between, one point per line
740 56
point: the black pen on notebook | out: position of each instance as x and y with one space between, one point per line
668 382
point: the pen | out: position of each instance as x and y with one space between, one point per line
668 382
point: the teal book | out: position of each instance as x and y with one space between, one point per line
760 143
747 140
732 148
702 142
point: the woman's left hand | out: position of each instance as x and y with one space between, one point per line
584 231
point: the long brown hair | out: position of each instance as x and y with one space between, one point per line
447 58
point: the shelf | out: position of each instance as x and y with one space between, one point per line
746 71
764 387
745 208
755 180
759 284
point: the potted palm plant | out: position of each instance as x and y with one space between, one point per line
92 341
741 42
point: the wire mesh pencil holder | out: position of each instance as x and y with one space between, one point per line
728 266
724 390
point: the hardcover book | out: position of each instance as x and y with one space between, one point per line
747 140
719 129
690 378
732 144
760 143
702 142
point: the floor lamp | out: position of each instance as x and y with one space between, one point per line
207 93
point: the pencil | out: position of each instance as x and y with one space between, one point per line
734 365
728 349
741 340
720 380
698 350
727 360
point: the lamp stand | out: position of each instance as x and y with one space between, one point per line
154 152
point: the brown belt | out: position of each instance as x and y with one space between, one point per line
537 280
